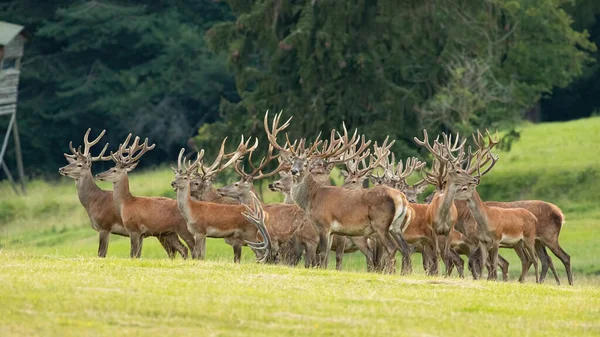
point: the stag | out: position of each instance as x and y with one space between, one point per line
334 210
306 238
142 216
496 227
99 204
284 219
208 219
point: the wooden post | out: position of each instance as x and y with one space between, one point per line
19 156
10 178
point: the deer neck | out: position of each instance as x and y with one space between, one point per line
288 197
478 210
121 194
447 200
184 199
87 190
246 198
304 191
211 195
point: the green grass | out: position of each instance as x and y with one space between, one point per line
63 296
52 283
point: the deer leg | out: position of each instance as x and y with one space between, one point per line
178 246
562 255
362 244
458 262
134 238
529 244
103 245
475 264
188 238
199 242
406 251
525 261
167 245
388 241
503 264
493 256
546 262
323 249
340 245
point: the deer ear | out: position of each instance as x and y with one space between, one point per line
69 159
422 188
131 167
344 173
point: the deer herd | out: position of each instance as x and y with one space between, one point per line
316 217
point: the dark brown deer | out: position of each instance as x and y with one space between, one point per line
375 211
141 216
99 204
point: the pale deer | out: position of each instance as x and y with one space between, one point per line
141 216
305 239
284 219
99 204
208 219
496 226
375 211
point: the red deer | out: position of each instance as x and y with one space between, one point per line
99 203
208 219
377 211
141 216
495 226
284 219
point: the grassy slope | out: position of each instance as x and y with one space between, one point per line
44 235
86 296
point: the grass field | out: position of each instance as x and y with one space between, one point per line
52 283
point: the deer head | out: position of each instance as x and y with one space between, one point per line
402 172
357 171
240 189
183 173
284 184
203 177
126 159
81 161
476 161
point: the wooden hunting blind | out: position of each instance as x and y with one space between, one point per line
12 40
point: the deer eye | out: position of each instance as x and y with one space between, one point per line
79 165
237 184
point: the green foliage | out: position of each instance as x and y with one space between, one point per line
124 66
394 68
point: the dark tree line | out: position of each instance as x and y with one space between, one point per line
189 72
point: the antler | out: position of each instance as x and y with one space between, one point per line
218 165
425 142
412 164
257 216
190 167
132 156
272 135
87 146
483 150
256 172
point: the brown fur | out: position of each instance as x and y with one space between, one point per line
208 219
144 216
550 220
101 210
